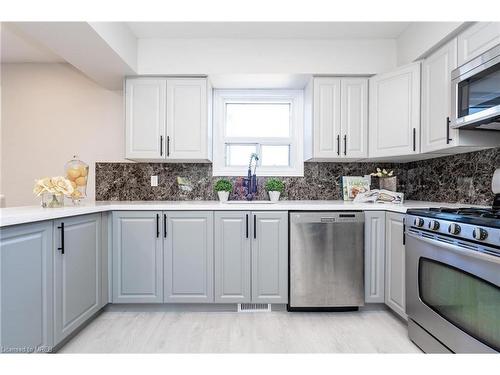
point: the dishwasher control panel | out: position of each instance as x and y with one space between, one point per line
327 217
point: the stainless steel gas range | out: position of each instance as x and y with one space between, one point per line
453 279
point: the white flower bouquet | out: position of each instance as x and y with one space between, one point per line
56 187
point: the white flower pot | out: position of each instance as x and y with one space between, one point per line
223 196
274 196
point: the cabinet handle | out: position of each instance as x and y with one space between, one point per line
168 145
62 238
448 139
404 231
414 139
254 226
345 144
338 144
157 225
164 225
247 225
161 145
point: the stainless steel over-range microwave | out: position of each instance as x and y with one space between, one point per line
475 93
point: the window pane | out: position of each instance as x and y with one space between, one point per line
239 155
273 156
257 120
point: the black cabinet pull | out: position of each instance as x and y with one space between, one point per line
161 145
448 139
338 144
168 145
345 144
247 225
414 139
404 231
62 238
254 226
157 225
164 225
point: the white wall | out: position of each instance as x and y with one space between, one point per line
49 113
251 56
420 37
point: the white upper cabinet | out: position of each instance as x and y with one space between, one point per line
167 119
187 119
477 39
145 107
326 117
395 112
436 98
338 122
354 117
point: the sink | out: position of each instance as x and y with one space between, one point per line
248 202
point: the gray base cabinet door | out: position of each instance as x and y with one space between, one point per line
270 257
232 257
395 264
77 272
374 256
188 257
26 319
137 257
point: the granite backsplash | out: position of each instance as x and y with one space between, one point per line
464 178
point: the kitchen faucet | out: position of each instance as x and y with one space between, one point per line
250 182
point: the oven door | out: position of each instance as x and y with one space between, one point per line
476 93
453 293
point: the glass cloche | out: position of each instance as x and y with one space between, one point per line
77 172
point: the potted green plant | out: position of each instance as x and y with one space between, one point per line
274 187
223 187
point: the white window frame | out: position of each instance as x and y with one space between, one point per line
293 97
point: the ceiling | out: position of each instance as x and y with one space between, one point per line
289 30
17 47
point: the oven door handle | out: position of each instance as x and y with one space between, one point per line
455 248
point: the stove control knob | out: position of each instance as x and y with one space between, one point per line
454 229
479 234
434 225
419 222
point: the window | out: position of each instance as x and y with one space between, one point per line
266 122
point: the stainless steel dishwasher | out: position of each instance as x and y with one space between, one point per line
326 261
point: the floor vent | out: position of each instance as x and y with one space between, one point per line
254 307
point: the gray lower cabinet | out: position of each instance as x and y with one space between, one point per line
188 257
395 264
374 256
232 256
77 272
26 322
270 257
137 257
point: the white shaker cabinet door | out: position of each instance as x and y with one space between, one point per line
354 117
189 257
232 256
374 256
270 257
477 39
137 257
26 315
395 112
187 119
145 118
326 118
395 294
436 99
77 272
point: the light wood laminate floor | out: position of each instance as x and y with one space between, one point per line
375 331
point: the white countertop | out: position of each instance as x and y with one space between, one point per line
28 214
